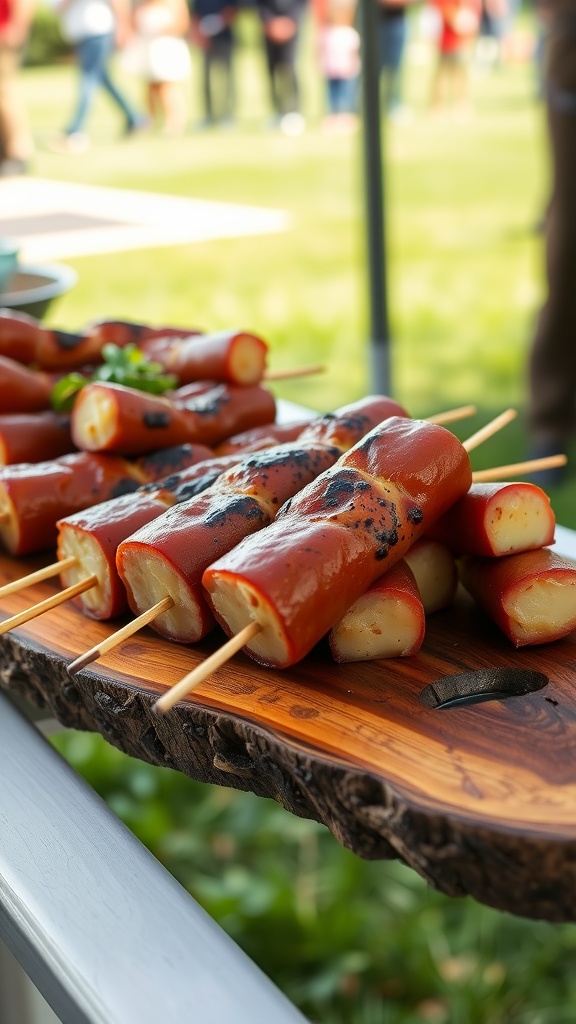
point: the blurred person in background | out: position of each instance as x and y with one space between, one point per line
94 27
16 146
161 56
552 357
459 27
392 36
339 59
281 25
495 25
213 34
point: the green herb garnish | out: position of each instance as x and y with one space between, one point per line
128 366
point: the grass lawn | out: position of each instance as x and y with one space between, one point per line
349 941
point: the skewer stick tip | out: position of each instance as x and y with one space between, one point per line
202 672
115 639
489 429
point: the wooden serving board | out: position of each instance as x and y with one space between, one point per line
479 799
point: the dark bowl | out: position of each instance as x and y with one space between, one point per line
33 288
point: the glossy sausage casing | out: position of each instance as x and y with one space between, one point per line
350 423
34 437
495 519
35 496
110 417
168 556
22 389
531 595
299 576
236 357
93 536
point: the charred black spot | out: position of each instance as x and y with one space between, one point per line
368 523
156 420
193 487
67 340
246 507
125 486
165 459
363 485
415 515
336 490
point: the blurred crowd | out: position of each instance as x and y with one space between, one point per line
158 41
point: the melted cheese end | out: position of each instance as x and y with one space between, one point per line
540 610
435 573
237 603
150 578
9 532
89 562
247 360
95 420
519 521
376 627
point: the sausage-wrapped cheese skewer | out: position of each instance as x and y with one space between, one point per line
84 538
495 519
113 418
34 437
168 557
23 389
297 577
236 357
531 595
88 540
388 621
26 340
34 496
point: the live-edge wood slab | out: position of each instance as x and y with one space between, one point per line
479 799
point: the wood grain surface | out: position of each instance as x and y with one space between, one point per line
478 799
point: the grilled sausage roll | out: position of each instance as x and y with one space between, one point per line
299 576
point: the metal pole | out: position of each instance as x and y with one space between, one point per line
374 200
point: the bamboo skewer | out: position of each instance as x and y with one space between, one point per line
236 643
198 675
207 668
452 415
120 635
45 606
449 416
289 374
518 468
489 429
38 577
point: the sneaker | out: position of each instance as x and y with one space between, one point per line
141 124
69 142
292 124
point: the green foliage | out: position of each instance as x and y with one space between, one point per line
349 941
46 44
128 366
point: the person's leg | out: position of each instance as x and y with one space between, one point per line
102 56
173 106
552 360
271 50
225 59
208 83
16 146
398 35
88 60
288 83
